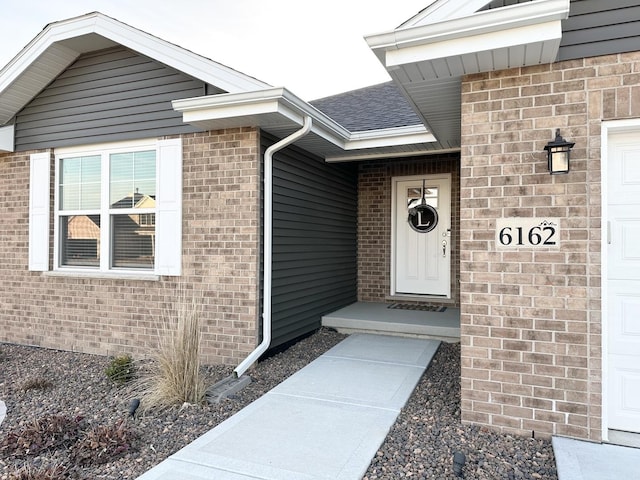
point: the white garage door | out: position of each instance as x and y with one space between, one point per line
623 301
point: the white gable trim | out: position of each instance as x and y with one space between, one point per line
60 43
441 10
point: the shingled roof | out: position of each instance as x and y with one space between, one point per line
370 108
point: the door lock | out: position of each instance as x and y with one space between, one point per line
444 248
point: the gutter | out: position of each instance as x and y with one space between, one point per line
480 23
268 245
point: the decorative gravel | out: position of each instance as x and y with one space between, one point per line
419 446
428 432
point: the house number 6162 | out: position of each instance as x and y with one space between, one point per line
527 232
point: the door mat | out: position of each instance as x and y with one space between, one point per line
411 306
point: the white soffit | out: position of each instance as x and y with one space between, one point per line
513 36
61 43
278 111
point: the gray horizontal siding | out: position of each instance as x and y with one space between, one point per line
105 96
597 27
314 241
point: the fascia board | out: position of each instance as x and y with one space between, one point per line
389 137
7 138
194 110
261 102
482 42
373 155
491 21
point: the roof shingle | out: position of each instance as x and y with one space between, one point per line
369 108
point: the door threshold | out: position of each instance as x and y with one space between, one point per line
627 439
419 298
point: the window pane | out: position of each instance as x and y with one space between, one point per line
80 183
70 197
133 241
414 195
80 240
133 179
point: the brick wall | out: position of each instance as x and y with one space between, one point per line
531 320
374 220
110 316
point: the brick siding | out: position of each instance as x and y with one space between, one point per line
374 220
531 320
221 185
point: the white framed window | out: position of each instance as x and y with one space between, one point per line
117 209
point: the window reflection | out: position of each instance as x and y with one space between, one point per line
414 196
132 179
80 240
133 241
80 183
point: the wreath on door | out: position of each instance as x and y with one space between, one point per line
423 218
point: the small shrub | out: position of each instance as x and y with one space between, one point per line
56 472
103 443
121 369
51 432
36 383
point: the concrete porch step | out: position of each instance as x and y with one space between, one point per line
379 318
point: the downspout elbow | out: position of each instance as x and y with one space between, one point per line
268 244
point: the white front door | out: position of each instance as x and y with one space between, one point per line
623 282
422 251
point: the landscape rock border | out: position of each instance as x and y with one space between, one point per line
420 445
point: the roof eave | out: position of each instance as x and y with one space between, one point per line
473 34
280 110
421 56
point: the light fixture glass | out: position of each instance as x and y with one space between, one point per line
558 152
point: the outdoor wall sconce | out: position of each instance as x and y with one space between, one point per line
558 154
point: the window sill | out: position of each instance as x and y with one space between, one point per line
103 275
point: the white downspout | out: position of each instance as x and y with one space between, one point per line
268 245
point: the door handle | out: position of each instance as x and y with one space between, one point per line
609 233
444 248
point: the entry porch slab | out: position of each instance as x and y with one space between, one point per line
442 323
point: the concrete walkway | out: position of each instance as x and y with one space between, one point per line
325 422
578 460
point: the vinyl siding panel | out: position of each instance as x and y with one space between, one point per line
314 241
111 95
595 27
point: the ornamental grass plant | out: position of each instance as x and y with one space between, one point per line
173 376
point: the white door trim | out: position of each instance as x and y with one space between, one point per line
607 129
394 186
